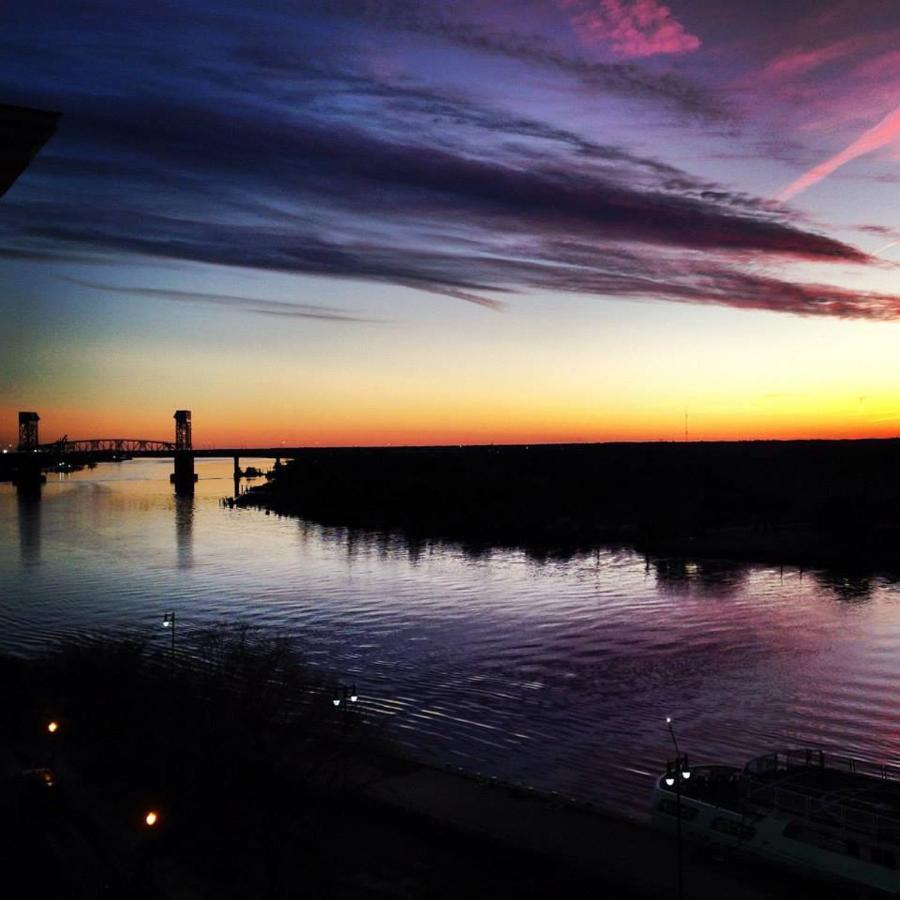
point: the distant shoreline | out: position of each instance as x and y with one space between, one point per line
805 503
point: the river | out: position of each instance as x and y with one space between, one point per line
552 673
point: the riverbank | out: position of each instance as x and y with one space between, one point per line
263 787
804 503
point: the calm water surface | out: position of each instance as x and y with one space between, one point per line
555 674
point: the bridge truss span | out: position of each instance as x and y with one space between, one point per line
109 445
30 458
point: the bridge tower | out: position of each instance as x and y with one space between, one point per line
28 431
183 477
182 429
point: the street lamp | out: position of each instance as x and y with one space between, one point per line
53 739
677 771
151 818
346 695
169 622
345 699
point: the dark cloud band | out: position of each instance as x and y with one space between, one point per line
310 164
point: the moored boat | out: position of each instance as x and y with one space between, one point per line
824 813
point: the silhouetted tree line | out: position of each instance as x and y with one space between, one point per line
790 500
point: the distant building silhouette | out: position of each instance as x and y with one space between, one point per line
23 132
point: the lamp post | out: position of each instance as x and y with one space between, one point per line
677 771
149 825
53 740
345 697
169 622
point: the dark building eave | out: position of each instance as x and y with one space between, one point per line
23 131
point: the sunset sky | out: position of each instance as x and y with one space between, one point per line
413 221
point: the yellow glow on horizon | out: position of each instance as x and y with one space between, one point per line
712 417
523 377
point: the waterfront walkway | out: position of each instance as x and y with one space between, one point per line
627 858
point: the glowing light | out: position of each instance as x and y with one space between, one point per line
686 774
53 727
336 701
151 818
670 780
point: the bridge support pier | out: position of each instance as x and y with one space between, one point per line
237 475
29 475
184 476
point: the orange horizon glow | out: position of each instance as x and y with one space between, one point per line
715 425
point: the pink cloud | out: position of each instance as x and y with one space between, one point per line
631 28
796 62
887 130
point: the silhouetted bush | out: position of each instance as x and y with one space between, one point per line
233 739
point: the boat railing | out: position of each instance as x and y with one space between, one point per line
835 811
784 760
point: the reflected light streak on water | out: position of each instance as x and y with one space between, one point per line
557 674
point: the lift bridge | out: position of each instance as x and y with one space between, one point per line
123 446
31 457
